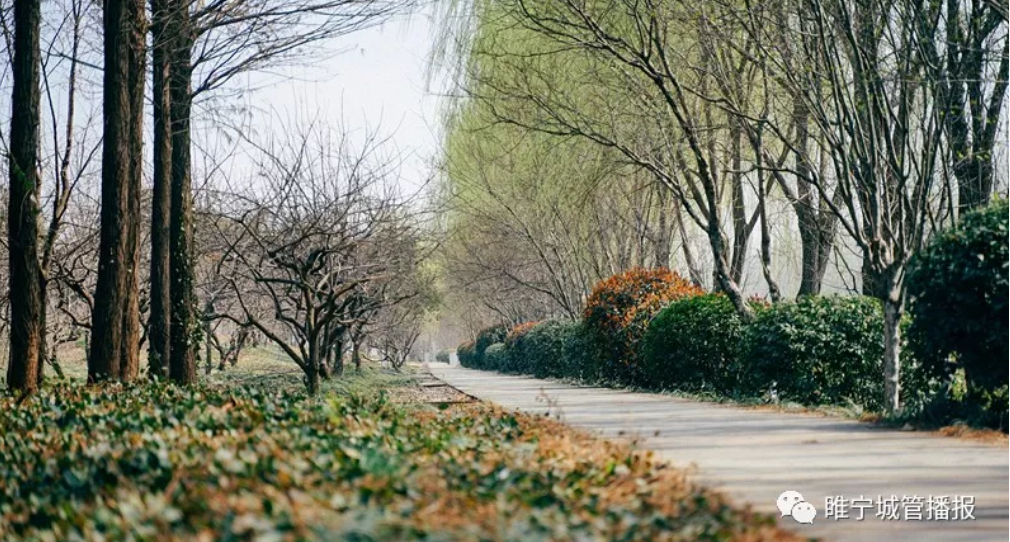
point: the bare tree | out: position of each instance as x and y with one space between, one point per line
300 247
873 103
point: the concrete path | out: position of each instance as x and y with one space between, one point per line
755 455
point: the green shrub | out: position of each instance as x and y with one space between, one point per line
555 349
485 338
465 353
518 359
495 357
957 286
442 357
694 344
817 350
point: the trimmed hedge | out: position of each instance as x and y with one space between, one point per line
495 357
558 349
958 290
518 361
618 312
694 344
818 350
442 357
653 329
465 354
485 338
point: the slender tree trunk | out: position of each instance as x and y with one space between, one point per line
741 233
114 340
130 350
664 229
893 310
766 242
723 273
313 366
337 368
207 346
26 299
159 321
356 353
183 311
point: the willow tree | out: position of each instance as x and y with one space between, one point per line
632 77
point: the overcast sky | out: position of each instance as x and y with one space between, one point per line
375 81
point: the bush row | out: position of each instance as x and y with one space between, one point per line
653 329
817 350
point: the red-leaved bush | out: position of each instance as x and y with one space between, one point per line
618 312
516 334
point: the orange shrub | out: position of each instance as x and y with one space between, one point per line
517 332
618 312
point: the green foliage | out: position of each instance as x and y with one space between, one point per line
818 350
442 357
495 358
958 289
465 353
557 348
518 357
161 463
485 338
693 344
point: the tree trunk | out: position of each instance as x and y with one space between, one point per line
741 233
130 352
337 369
183 311
893 310
160 320
27 336
313 366
723 273
356 354
114 346
207 346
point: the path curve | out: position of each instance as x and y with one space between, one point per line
754 455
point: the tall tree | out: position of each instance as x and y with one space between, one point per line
27 309
159 320
183 313
873 106
115 348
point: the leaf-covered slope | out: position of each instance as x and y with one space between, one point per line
160 463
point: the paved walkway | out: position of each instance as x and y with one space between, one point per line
753 455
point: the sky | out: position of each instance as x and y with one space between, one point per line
376 81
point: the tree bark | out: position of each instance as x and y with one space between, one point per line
356 353
159 349
138 63
115 347
312 368
26 299
183 311
893 311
